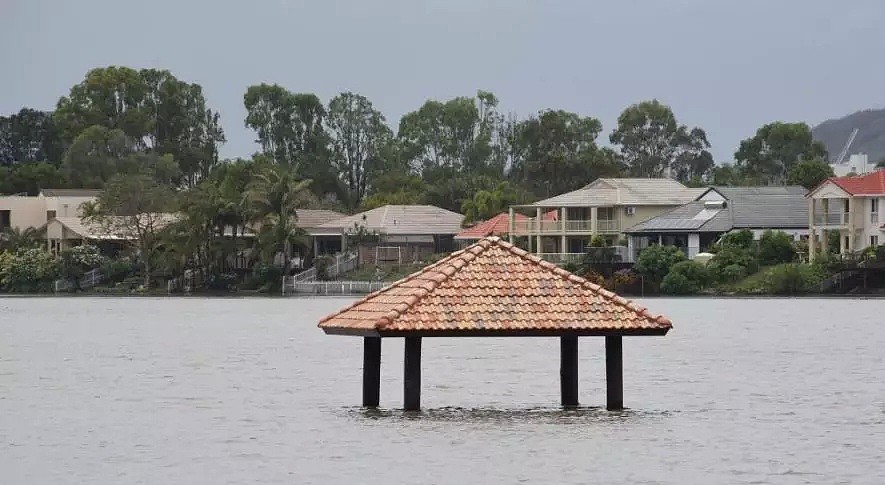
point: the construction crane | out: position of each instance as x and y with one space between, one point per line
844 151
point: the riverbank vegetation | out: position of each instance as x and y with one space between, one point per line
152 141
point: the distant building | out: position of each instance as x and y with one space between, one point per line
396 233
857 164
496 226
850 206
605 208
21 211
695 226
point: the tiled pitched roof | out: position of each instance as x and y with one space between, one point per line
496 226
400 219
494 288
625 191
499 225
870 184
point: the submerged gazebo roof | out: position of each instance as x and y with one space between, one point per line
493 288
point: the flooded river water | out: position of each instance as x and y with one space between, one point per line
211 391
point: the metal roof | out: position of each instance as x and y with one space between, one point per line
606 192
745 208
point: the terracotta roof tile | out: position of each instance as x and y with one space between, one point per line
493 286
870 184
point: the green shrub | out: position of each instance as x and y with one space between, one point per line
76 261
732 273
776 247
28 270
733 256
678 284
742 239
685 278
791 279
654 262
267 278
117 270
321 264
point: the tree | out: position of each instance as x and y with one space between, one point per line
29 136
14 238
556 152
136 206
152 109
358 134
486 204
94 156
776 148
653 143
809 173
456 134
29 178
274 196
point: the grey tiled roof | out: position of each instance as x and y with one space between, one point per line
746 208
605 192
401 219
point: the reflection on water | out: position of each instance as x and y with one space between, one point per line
106 390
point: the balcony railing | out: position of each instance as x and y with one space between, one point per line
621 253
837 219
571 226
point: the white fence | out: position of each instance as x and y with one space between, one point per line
335 287
343 264
88 280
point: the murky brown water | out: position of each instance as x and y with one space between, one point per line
250 391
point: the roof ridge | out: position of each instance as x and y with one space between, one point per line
403 280
573 278
457 261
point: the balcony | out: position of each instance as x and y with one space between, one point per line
837 219
585 227
621 254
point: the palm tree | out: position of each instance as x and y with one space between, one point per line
273 198
13 238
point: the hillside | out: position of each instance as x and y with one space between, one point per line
870 137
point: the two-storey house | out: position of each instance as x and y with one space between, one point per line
850 206
606 208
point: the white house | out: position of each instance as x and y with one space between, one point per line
851 207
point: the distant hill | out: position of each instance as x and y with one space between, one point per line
870 136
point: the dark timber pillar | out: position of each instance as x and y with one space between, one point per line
568 370
371 371
614 373
412 374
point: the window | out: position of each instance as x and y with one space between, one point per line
874 206
50 215
874 241
5 219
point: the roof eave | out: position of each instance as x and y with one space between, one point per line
354 332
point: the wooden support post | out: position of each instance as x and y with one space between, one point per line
412 374
568 370
371 371
614 373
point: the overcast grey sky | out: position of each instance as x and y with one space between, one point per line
726 66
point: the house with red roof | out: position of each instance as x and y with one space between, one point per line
850 206
499 226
